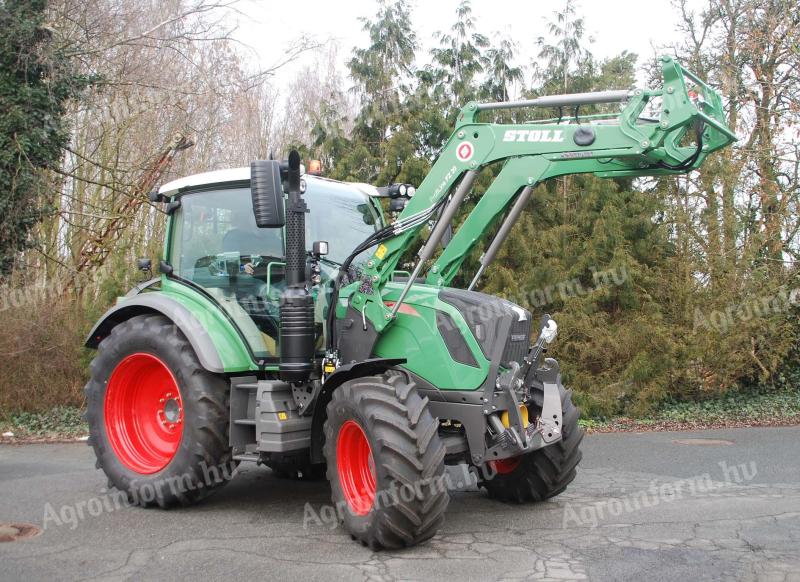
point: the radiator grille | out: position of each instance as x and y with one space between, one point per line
518 341
487 317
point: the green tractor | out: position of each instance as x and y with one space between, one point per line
324 358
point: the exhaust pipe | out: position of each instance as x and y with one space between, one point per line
297 305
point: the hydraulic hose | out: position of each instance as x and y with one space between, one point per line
376 238
688 162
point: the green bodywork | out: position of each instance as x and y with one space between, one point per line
415 335
232 350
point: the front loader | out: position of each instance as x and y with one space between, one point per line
281 331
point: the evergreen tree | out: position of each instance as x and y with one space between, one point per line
500 72
564 51
459 59
382 73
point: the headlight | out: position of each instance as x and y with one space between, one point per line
550 332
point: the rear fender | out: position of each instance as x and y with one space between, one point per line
158 303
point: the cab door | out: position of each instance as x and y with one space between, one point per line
215 245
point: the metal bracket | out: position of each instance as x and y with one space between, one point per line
305 396
550 421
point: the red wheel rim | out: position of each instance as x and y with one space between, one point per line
143 413
506 466
356 467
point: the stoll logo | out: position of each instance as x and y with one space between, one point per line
464 151
534 135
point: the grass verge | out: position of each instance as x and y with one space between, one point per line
58 424
735 409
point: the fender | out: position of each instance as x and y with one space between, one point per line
159 303
340 376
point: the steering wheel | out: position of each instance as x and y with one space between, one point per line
221 265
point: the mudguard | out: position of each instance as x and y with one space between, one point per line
144 303
369 367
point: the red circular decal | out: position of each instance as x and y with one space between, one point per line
464 151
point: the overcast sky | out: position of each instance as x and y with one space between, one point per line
616 25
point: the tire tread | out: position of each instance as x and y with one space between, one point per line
407 450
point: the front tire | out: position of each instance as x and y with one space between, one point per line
158 421
385 462
544 473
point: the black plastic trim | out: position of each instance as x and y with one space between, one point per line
454 340
230 185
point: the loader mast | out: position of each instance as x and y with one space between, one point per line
610 145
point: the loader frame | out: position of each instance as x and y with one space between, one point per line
618 144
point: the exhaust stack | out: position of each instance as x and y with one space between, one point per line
297 306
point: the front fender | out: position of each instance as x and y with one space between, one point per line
156 302
340 376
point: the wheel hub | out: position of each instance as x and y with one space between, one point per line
171 413
143 413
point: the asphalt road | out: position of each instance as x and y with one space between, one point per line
642 507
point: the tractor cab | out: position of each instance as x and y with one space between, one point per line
214 245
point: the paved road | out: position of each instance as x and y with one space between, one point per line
642 507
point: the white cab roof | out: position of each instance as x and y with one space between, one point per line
243 175
215 177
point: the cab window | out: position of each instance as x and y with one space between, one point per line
217 245
343 217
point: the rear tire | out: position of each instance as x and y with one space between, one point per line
158 421
385 462
545 472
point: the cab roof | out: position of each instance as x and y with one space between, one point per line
233 175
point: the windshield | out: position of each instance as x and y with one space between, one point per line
215 222
340 215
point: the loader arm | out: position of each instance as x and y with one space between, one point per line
606 145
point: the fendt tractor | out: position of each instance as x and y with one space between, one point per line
325 359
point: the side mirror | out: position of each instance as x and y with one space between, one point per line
144 264
319 248
156 197
266 190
